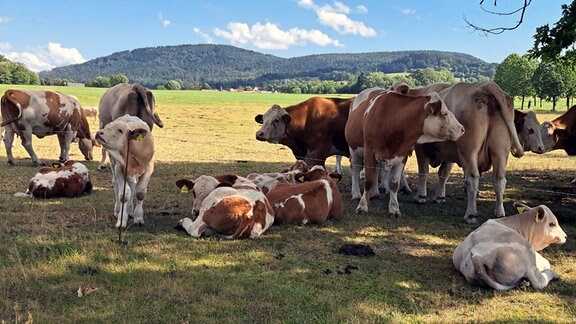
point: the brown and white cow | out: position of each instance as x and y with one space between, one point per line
131 99
382 129
267 181
312 201
61 180
42 113
313 129
130 144
560 133
229 206
487 113
501 252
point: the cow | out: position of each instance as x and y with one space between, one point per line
314 200
528 130
131 99
90 112
130 144
267 181
560 133
42 113
229 206
487 113
419 91
313 129
382 128
61 180
502 252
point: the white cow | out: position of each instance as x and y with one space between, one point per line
501 252
128 141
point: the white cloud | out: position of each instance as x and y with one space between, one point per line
270 36
408 11
205 37
5 20
45 57
337 18
361 9
165 22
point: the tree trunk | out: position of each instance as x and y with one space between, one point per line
567 102
522 105
554 99
540 103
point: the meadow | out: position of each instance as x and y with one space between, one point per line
293 274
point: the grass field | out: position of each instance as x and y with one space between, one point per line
48 249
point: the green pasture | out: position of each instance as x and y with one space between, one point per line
48 249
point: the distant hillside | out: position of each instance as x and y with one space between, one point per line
229 66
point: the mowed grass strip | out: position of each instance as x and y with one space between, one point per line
48 249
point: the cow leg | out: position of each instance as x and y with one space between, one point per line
499 184
423 163
443 174
123 190
8 142
27 143
195 228
540 279
65 138
141 190
395 172
339 164
471 179
404 185
370 181
541 262
102 163
356 163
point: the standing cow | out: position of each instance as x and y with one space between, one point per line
313 129
560 133
131 99
42 113
502 252
382 129
487 113
131 146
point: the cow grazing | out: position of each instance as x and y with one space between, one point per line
313 129
560 133
62 180
131 99
42 113
267 181
487 113
229 206
91 112
382 129
501 252
131 147
312 201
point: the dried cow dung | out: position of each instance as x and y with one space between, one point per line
356 249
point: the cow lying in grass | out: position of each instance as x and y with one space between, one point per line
501 252
70 179
268 181
314 200
229 206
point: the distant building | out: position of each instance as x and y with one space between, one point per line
74 84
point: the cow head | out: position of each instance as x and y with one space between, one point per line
528 129
86 146
115 135
200 189
553 137
542 228
440 123
318 172
274 124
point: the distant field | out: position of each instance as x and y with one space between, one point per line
290 274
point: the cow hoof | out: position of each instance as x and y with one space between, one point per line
11 163
470 219
361 211
354 197
420 199
396 215
440 200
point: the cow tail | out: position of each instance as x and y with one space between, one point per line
508 115
17 104
483 276
142 92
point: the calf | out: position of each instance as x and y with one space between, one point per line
42 113
131 147
313 201
229 206
501 252
70 179
267 181
383 127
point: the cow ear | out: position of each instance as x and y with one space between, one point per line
228 179
286 118
223 184
521 207
300 178
539 215
401 87
259 118
337 177
185 183
434 105
561 133
137 134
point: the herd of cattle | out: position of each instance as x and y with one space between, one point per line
472 124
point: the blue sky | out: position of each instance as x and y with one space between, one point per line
45 34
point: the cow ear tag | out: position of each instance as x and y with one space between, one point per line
184 189
520 209
139 137
300 179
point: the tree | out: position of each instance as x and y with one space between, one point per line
172 85
520 11
552 44
548 83
514 75
428 76
117 79
568 73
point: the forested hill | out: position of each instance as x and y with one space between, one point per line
229 66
